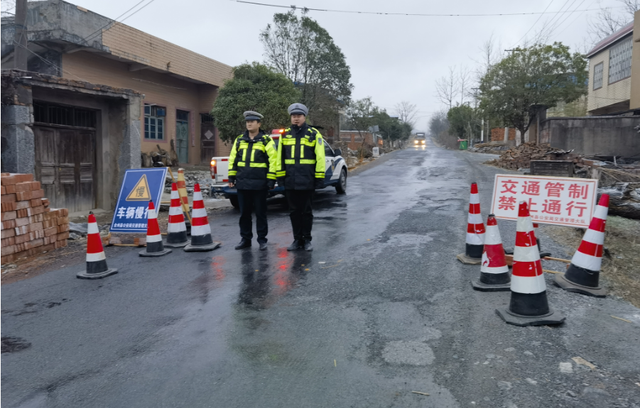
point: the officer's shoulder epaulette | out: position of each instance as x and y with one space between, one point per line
267 138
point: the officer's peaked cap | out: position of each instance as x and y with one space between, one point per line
298 109
251 115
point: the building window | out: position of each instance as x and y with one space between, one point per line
597 76
620 61
154 121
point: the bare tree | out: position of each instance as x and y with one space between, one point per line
464 84
447 88
407 112
608 21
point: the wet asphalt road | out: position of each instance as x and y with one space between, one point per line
381 308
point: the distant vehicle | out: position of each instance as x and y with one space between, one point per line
420 139
335 172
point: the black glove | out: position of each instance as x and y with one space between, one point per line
271 184
232 179
319 183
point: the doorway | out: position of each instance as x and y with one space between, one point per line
182 135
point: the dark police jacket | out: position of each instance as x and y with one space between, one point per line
300 163
252 162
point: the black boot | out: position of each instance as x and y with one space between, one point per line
296 245
244 243
263 246
308 246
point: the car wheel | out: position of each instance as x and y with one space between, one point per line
341 187
234 202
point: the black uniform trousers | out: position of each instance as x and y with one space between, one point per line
301 213
253 201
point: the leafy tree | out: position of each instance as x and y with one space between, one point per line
541 75
305 53
253 87
392 129
463 122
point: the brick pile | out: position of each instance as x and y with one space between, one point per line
29 226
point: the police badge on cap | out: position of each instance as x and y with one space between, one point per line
251 115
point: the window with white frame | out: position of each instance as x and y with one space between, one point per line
154 121
620 60
597 76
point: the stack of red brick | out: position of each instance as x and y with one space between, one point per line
29 226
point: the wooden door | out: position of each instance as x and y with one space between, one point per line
65 164
182 136
207 138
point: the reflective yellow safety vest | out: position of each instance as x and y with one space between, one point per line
253 161
300 158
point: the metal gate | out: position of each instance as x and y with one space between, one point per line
207 138
182 136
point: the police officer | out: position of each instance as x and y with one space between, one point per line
300 168
252 170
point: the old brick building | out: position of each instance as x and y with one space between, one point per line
107 92
179 86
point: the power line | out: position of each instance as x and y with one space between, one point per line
112 22
530 28
566 18
384 13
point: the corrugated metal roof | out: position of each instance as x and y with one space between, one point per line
623 32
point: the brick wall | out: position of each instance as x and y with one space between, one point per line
497 134
29 226
354 139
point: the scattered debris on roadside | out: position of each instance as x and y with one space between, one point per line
520 157
489 148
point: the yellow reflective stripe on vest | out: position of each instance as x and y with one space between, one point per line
253 154
289 161
307 161
281 173
307 142
264 165
301 151
241 164
288 141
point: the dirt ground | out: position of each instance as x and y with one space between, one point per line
620 273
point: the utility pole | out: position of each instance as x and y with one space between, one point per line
20 40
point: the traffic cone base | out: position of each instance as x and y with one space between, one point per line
495 286
467 260
583 274
96 260
574 274
180 239
155 247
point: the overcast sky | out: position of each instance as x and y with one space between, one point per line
392 58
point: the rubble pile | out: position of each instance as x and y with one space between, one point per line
520 156
489 148
29 226
191 177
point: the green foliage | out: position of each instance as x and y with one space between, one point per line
253 87
305 53
463 122
360 114
541 75
391 128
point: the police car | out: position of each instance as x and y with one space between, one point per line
335 172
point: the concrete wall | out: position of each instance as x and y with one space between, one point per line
608 136
158 88
635 64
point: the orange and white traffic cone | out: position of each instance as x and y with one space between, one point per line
475 231
494 272
584 272
177 229
200 229
529 305
155 247
96 260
